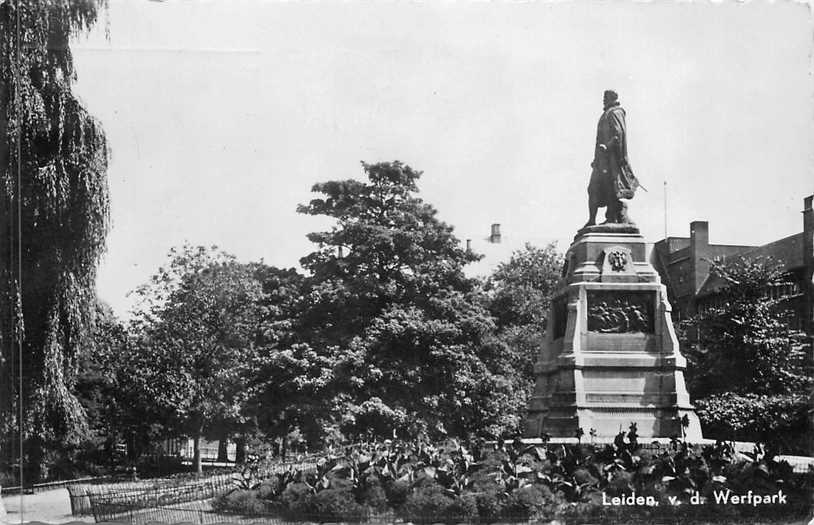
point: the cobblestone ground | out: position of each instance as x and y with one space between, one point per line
52 506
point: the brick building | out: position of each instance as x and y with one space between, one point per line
684 266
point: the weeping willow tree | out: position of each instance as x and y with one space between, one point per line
53 224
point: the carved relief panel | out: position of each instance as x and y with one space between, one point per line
620 311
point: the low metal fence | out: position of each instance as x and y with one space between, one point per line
82 494
198 512
133 505
166 499
201 513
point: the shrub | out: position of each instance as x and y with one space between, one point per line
159 466
462 508
490 504
294 495
87 459
241 502
334 503
428 503
780 419
427 485
582 511
373 495
397 492
582 476
620 483
338 503
273 487
266 490
7 478
527 502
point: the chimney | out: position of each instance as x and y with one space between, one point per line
469 245
699 232
808 260
494 237
699 250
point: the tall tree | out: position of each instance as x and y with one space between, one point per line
292 376
521 288
519 295
389 305
96 386
194 347
54 219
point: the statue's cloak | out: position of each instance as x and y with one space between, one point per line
612 177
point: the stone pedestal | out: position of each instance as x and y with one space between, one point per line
610 356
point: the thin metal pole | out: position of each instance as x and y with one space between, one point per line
12 316
665 208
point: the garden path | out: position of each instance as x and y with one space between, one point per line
51 506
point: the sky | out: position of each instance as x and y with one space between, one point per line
222 114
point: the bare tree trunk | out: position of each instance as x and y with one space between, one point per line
241 449
223 451
196 458
36 470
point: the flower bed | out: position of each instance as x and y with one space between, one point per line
512 481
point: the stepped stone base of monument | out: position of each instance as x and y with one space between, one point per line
610 357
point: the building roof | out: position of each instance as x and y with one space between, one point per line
787 252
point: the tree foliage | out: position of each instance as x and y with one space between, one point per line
749 370
745 341
291 376
521 288
194 340
62 197
96 385
398 328
519 295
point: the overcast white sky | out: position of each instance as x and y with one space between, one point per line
222 114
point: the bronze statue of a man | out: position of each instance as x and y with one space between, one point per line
612 178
